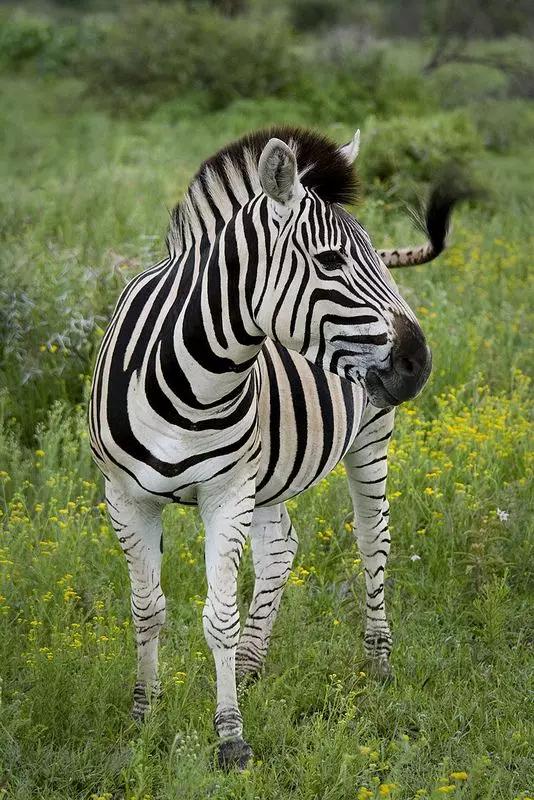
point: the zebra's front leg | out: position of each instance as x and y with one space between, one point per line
366 465
227 514
139 530
274 544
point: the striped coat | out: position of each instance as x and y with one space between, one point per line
268 345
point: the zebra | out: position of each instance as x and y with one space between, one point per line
268 345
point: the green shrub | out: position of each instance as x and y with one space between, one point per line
459 85
156 52
342 84
44 44
22 38
308 15
408 150
505 125
60 52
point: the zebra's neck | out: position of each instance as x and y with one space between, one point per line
209 351
213 200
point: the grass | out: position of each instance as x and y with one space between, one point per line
85 192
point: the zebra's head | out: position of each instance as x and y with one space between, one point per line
328 293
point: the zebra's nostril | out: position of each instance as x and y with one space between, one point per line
406 366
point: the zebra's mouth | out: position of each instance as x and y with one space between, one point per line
402 381
377 392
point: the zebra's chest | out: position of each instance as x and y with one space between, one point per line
308 418
299 419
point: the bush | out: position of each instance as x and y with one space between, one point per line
346 84
460 85
157 52
308 15
406 150
505 125
22 38
45 44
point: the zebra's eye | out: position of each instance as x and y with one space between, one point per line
330 259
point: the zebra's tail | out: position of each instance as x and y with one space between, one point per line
433 220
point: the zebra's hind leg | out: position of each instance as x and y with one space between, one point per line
366 465
139 530
274 544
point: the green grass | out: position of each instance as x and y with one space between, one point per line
84 191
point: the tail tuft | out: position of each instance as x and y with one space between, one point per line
451 187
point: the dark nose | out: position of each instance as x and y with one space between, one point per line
408 370
411 360
410 356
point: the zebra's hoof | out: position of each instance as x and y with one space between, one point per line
234 754
380 668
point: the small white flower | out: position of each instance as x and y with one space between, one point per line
415 557
503 515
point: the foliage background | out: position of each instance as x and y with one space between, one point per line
106 111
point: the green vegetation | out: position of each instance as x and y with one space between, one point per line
88 177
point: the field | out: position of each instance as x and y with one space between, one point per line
85 205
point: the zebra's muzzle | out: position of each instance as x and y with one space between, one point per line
408 370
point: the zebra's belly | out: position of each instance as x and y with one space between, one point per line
308 418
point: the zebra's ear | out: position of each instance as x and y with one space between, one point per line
277 170
350 150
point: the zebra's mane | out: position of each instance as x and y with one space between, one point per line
230 177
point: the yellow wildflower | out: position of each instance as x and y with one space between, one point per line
179 678
459 776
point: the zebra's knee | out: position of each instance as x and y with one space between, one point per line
292 544
291 538
149 614
373 526
220 621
